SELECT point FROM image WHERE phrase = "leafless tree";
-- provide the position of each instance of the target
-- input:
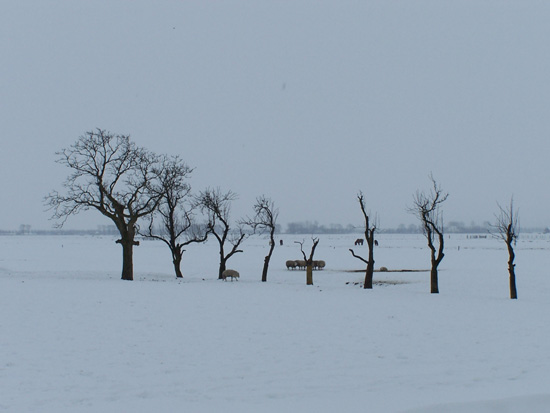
(370, 228)
(309, 261)
(264, 220)
(174, 222)
(216, 205)
(112, 175)
(426, 206)
(506, 228)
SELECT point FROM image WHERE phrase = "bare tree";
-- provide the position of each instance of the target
(112, 175)
(217, 206)
(176, 227)
(506, 228)
(264, 220)
(370, 228)
(427, 208)
(309, 261)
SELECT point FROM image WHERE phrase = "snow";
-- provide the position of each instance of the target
(76, 338)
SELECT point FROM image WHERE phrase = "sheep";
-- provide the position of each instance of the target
(359, 241)
(320, 264)
(291, 264)
(230, 274)
(301, 264)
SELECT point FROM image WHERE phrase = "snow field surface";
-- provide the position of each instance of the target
(74, 337)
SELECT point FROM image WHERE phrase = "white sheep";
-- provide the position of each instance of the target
(230, 274)
(291, 264)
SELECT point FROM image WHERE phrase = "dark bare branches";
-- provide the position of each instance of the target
(506, 226)
(265, 216)
(507, 229)
(427, 208)
(216, 205)
(112, 175)
(264, 220)
(358, 257)
(370, 228)
(309, 261)
(174, 220)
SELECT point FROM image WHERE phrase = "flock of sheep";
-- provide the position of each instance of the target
(290, 265)
(301, 265)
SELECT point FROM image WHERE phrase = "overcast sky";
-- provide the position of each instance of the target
(307, 102)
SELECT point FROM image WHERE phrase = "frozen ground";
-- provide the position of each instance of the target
(75, 338)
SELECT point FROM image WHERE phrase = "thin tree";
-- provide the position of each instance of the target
(370, 228)
(506, 228)
(426, 206)
(216, 205)
(113, 176)
(264, 220)
(309, 261)
(174, 222)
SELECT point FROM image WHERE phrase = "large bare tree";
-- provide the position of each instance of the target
(309, 261)
(427, 207)
(113, 176)
(370, 228)
(216, 205)
(264, 220)
(506, 228)
(174, 221)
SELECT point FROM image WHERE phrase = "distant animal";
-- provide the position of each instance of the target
(383, 269)
(291, 264)
(376, 243)
(359, 241)
(281, 242)
(301, 264)
(230, 274)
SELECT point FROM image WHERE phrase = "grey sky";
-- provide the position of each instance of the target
(304, 101)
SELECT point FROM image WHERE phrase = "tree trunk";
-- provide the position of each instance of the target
(177, 265)
(268, 257)
(264, 271)
(434, 287)
(222, 269)
(369, 275)
(309, 273)
(127, 260)
(513, 291)
(370, 265)
(511, 270)
(433, 280)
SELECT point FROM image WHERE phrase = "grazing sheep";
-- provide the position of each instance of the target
(301, 264)
(320, 264)
(359, 241)
(291, 264)
(383, 269)
(230, 274)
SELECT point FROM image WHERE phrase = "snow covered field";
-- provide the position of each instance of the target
(76, 338)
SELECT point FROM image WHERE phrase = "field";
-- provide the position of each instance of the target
(75, 338)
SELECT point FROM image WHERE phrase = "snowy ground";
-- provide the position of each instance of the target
(76, 338)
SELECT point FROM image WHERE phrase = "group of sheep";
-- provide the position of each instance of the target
(291, 264)
(301, 265)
